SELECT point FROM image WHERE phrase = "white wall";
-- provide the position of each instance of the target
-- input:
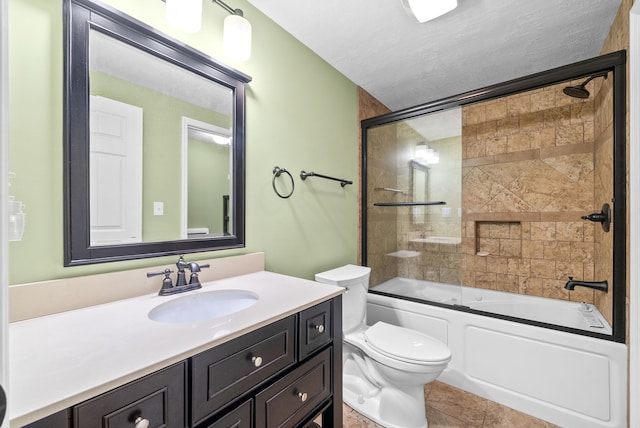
(4, 177)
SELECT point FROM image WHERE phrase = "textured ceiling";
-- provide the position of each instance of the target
(402, 63)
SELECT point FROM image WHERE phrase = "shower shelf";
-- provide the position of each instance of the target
(404, 254)
(408, 204)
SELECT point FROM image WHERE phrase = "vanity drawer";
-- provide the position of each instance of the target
(240, 417)
(226, 372)
(289, 401)
(159, 398)
(315, 328)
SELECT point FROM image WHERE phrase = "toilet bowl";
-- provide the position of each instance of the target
(385, 366)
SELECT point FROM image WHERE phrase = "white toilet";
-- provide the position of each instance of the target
(385, 366)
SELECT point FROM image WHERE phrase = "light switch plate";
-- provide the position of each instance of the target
(158, 208)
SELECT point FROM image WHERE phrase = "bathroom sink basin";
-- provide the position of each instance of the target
(203, 306)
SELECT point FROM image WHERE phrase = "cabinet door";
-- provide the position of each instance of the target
(158, 397)
(240, 417)
(293, 398)
(228, 371)
(315, 328)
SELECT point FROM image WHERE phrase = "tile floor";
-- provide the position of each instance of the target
(449, 407)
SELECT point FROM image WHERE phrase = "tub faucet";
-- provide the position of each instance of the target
(596, 285)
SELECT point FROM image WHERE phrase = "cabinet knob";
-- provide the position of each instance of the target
(141, 422)
(320, 328)
(303, 396)
(257, 361)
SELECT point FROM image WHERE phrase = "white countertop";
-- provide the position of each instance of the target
(60, 360)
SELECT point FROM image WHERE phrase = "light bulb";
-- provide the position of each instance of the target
(236, 39)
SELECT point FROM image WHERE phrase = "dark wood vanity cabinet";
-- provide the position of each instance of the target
(285, 374)
(287, 370)
(288, 401)
(224, 373)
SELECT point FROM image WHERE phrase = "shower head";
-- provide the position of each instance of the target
(580, 91)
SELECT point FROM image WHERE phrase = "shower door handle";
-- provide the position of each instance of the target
(603, 217)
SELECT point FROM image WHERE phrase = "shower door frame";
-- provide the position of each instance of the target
(614, 62)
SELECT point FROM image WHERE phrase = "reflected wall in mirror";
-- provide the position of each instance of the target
(154, 134)
(206, 180)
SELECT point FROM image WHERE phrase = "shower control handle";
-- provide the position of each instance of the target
(603, 217)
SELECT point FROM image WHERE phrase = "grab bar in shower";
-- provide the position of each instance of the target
(408, 204)
(304, 175)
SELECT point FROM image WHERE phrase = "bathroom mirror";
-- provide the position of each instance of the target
(154, 142)
(419, 185)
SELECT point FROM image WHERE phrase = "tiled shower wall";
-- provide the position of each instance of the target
(532, 166)
(383, 171)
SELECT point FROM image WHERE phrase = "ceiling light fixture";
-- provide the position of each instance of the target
(186, 15)
(426, 10)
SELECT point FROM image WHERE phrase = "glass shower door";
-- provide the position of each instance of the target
(414, 207)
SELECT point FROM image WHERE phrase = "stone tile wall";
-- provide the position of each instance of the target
(368, 107)
(529, 174)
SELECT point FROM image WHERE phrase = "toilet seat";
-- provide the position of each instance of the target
(406, 345)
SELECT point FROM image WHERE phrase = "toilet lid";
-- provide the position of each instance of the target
(406, 344)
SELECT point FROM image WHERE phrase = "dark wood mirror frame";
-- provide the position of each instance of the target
(80, 16)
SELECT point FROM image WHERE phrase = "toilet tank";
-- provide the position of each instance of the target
(354, 302)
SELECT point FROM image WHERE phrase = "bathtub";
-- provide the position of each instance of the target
(563, 313)
(568, 379)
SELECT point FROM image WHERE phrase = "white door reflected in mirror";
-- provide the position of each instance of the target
(115, 208)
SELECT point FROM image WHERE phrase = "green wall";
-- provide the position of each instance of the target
(301, 114)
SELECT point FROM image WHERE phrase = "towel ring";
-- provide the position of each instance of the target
(277, 171)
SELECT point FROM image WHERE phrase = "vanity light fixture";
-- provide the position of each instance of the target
(186, 15)
(236, 36)
(426, 10)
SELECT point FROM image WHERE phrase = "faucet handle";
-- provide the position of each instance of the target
(167, 285)
(165, 272)
(195, 267)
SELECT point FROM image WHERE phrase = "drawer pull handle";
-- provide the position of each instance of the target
(257, 361)
(141, 422)
(320, 328)
(303, 396)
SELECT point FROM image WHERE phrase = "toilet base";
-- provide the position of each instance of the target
(387, 406)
